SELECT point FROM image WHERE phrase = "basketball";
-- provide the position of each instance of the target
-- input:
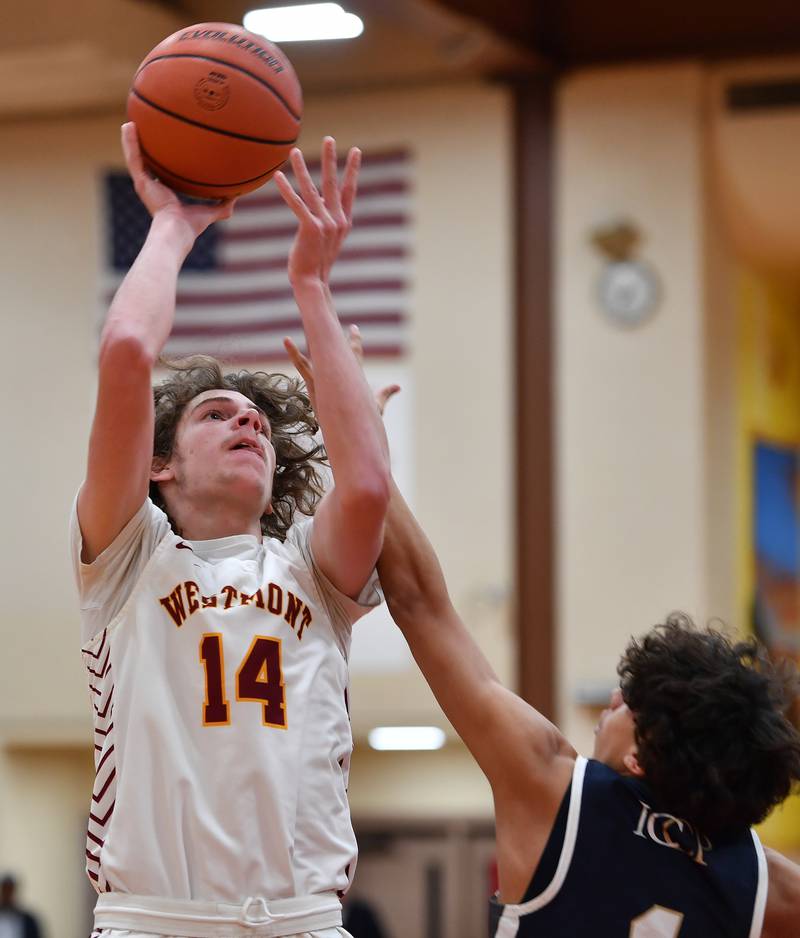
(217, 109)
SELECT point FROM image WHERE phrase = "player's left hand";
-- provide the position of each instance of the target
(325, 219)
(303, 364)
(159, 199)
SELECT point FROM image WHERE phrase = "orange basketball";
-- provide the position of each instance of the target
(217, 109)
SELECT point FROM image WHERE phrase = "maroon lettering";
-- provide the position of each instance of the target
(230, 594)
(306, 620)
(174, 605)
(192, 591)
(216, 711)
(274, 599)
(293, 607)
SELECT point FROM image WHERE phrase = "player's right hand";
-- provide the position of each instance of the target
(158, 198)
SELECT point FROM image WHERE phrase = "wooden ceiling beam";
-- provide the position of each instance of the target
(581, 32)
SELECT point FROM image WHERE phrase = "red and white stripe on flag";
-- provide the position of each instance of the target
(240, 307)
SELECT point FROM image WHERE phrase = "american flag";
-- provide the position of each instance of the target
(234, 300)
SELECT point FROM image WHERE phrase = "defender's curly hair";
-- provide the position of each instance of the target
(298, 485)
(711, 722)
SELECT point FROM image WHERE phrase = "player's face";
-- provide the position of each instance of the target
(615, 739)
(223, 449)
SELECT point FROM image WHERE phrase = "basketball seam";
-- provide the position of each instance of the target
(213, 130)
(210, 58)
(198, 182)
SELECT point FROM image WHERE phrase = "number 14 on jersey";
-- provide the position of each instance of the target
(259, 678)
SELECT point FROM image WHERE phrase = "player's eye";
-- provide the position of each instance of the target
(214, 414)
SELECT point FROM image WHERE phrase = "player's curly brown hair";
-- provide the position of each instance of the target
(712, 724)
(298, 485)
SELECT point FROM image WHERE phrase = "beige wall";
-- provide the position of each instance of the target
(43, 811)
(631, 515)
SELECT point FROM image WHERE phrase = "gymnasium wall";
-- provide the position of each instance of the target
(632, 513)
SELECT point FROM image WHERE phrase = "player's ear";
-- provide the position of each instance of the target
(632, 766)
(161, 470)
(269, 510)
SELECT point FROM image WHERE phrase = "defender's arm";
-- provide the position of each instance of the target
(516, 746)
(782, 916)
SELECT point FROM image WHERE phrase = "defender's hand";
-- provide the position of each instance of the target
(303, 364)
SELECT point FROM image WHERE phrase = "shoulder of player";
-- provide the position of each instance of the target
(538, 759)
(782, 914)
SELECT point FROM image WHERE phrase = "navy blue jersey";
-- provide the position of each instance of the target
(618, 866)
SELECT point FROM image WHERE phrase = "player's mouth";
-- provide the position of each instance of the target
(248, 446)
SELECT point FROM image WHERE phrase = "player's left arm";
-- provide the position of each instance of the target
(348, 525)
(782, 916)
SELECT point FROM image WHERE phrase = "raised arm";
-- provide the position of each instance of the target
(136, 328)
(348, 524)
(516, 747)
(782, 916)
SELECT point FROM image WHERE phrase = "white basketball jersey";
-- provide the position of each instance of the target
(218, 678)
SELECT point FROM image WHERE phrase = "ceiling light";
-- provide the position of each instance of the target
(406, 737)
(302, 23)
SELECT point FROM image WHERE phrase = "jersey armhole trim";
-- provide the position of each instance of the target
(760, 904)
(567, 848)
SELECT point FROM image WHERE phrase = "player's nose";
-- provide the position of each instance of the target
(250, 417)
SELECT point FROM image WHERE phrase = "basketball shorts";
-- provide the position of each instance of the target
(119, 915)
(337, 932)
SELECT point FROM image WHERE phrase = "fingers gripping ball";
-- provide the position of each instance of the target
(217, 109)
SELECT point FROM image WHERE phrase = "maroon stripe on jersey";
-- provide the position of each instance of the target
(100, 766)
(103, 667)
(102, 713)
(103, 691)
(102, 821)
(98, 798)
(99, 652)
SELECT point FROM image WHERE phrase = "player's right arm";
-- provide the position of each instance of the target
(782, 916)
(518, 749)
(136, 328)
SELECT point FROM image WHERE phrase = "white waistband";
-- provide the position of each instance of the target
(185, 918)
